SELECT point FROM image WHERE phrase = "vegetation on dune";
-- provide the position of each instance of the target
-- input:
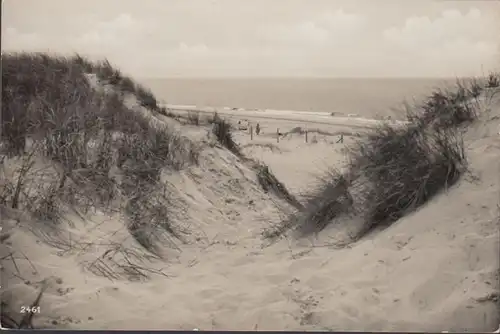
(493, 80)
(329, 199)
(446, 108)
(269, 182)
(72, 145)
(223, 132)
(99, 150)
(393, 171)
(108, 74)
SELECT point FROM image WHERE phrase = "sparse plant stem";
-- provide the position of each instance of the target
(25, 168)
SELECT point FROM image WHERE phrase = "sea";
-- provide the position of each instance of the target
(365, 97)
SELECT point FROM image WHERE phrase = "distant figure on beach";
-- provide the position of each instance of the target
(257, 129)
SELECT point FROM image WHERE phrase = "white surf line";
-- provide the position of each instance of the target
(302, 116)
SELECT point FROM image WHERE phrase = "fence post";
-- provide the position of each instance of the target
(277, 135)
(251, 132)
(306, 136)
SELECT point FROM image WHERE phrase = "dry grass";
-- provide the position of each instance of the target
(269, 182)
(110, 75)
(329, 199)
(98, 148)
(223, 132)
(393, 171)
(404, 169)
(448, 108)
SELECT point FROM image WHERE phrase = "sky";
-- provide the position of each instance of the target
(264, 38)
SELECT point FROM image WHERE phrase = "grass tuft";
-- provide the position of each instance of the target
(392, 171)
(446, 108)
(270, 183)
(223, 132)
(146, 98)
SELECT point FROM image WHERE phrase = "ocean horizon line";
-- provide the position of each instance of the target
(299, 78)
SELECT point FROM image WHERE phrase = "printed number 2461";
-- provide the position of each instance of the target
(27, 309)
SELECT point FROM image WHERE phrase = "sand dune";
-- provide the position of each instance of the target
(434, 270)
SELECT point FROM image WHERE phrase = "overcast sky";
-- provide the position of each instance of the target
(219, 38)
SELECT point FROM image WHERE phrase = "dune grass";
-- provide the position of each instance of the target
(110, 75)
(270, 183)
(90, 138)
(448, 108)
(393, 171)
(223, 132)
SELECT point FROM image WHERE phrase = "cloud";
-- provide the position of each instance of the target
(339, 21)
(423, 32)
(453, 42)
(121, 30)
(303, 33)
(324, 29)
(238, 38)
(195, 50)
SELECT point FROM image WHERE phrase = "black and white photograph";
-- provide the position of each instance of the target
(250, 165)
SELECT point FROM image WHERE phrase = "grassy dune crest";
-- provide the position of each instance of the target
(99, 151)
